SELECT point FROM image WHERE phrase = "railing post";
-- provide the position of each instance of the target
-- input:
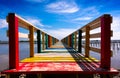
(87, 41)
(46, 41)
(69, 41)
(66, 40)
(13, 41)
(79, 41)
(106, 21)
(39, 41)
(72, 40)
(53, 41)
(49, 41)
(75, 40)
(31, 37)
(43, 40)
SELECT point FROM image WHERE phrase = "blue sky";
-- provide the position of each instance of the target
(60, 17)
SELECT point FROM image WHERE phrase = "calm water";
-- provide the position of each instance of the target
(24, 52)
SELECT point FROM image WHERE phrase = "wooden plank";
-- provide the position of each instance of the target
(87, 41)
(25, 24)
(91, 23)
(13, 42)
(83, 37)
(95, 49)
(96, 35)
(68, 40)
(75, 40)
(94, 26)
(49, 41)
(83, 29)
(43, 40)
(31, 38)
(46, 41)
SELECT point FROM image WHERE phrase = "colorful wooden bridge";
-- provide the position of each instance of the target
(60, 56)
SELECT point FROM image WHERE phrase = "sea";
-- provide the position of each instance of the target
(24, 52)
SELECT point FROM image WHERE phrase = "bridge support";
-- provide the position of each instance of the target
(106, 21)
(46, 41)
(31, 37)
(39, 41)
(87, 41)
(13, 41)
(43, 40)
(79, 41)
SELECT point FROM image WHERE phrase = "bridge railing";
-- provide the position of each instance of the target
(43, 39)
(76, 39)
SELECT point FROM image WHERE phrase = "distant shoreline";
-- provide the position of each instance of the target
(6, 42)
(92, 41)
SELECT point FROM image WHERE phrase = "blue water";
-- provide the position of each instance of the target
(24, 52)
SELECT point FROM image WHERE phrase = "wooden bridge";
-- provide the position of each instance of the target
(63, 57)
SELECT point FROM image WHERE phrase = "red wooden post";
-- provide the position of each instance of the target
(13, 41)
(106, 21)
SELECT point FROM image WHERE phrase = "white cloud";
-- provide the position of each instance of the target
(115, 27)
(38, 1)
(60, 33)
(35, 22)
(3, 23)
(90, 11)
(62, 7)
(82, 18)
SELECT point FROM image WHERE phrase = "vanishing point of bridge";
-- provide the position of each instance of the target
(58, 58)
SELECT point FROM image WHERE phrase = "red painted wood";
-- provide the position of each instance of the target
(105, 41)
(13, 41)
(62, 68)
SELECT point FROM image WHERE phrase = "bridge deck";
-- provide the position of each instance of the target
(60, 59)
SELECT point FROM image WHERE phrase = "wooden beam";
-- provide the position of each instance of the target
(94, 26)
(25, 24)
(79, 41)
(38, 41)
(87, 41)
(31, 37)
(13, 41)
(95, 49)
(75, 40)
(46, 41)
(43, 40)
(95, 35)
(106, 21)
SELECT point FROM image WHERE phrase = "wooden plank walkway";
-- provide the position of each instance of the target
(60, 58)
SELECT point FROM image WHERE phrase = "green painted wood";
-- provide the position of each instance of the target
(38, 41)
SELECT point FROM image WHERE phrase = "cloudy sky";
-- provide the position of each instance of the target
(60, 17)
